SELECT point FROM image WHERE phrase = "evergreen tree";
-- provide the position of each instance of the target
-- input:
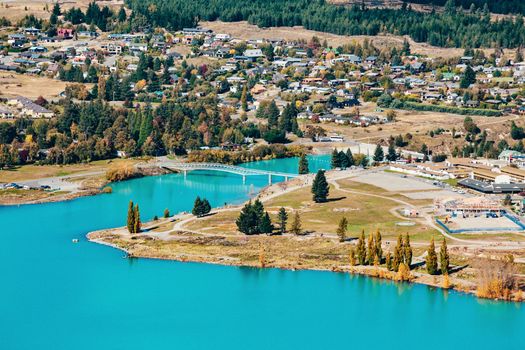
(273, 115)
(248, 221)
(391, 155)
(201, 207)
(131, 218)
(206, 207)
(379, 154)
(361, 249)
(468, 78)
(342, 228)
(283, 218)
(444, 258)
(406, 48)
(335, 161)
(303, 165)
(252, 219)
(431, 259)
(166, 213)
(296, 226)
(320, 188)
(146, 127)
(56, 9)
(343, 160)
(265, 225)
(349, 158)
(122, 15)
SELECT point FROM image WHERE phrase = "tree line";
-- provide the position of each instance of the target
(450, 28)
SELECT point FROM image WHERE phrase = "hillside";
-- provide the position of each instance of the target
(494, 6)
(450, 28)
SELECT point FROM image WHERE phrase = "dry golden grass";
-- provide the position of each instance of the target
(17, 9)
(246, 31)
(13, 84)
(121, 171)
(363, 213)
(31, 172)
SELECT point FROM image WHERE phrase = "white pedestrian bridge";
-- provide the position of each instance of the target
(244, 172)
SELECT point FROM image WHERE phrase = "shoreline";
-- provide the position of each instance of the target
(380, 273)
(287, 252)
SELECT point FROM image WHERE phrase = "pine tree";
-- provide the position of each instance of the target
(406, 48)
(56, 9)
(342, 228)
(468, 78)
(283, 218)
(265, 225)
(320, 188)
(273, 115)
(335, 161)
(350, 158)
(407, 251)
(206, 207)
(137, 225)
(391, 155)
(303, 165)
(166, 213)
(444, 258)
(197, 207)
(343, 161)
(248, 220)
(131, 218)
(361, 249)
(379, 155)
(296, 227)
(431, 259)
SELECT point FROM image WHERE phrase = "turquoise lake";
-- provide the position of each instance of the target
(58, 295)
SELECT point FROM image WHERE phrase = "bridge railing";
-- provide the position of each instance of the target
(223, 167)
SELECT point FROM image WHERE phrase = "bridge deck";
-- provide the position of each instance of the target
(222, 167)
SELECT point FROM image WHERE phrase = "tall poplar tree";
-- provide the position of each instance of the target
(283, 218)
(361, 249)
(131, 218)
(407, 251)
(444, 258)
(296, 226)
(342, 228)
(138, 224)
(398, 254)
(431, 259)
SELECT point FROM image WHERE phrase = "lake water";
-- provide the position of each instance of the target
(58, 295)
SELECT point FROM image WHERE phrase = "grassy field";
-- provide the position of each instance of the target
(17, 9)
(13, 84)
(363, 213)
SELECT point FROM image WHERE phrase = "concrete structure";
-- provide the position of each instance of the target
(185, 167)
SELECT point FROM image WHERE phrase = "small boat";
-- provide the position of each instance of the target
(74, 240)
